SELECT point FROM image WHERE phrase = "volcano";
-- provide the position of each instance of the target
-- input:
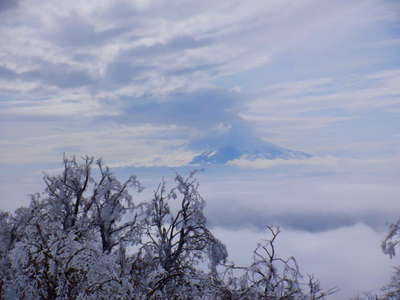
(266, 150)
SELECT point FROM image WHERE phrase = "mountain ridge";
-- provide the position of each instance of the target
(225, 154)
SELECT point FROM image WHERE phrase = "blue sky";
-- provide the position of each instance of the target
(149, 84)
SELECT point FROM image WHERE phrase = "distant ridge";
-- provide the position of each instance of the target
(266, 150)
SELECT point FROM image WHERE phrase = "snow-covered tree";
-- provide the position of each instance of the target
(81, 201)
(85, 237)
(389, 244)
(61, 247)
(392, 239)
(270, 276)
(178, 239)
(391, 291)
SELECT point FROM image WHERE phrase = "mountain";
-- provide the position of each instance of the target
(265, 150)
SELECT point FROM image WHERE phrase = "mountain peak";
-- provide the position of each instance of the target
(225, 154)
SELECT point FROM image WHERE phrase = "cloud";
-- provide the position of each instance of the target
(349, 94)
(7, 5)
(129, 145)
(210, 115)
(330, 162)
(312, 195)
(335, 257)
(186, 108)
(344, 106)
(75, 30)
(140, 62)
(6, 73)
(184, 43)
(101, 47)
(61, 76)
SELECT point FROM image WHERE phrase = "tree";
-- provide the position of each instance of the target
(389, 244)
(392, 290)
(179, 240)
(270, 276)
(85, 237)
(61, 247)
(81, 202)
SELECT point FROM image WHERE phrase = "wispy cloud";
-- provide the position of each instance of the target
(128, 144)
(135, 62)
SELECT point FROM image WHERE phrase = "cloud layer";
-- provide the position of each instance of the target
(200, 67)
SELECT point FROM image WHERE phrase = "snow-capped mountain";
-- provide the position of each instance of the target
(225, 154)
(238, 142)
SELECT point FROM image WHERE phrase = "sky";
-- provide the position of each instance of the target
(148, 84)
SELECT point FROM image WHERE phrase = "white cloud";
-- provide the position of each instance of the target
(336, 257)
(334, 163)
(120, 144)
(235, 36)
(298, 114)
(68, 60)
(312, 194)
(352, 95)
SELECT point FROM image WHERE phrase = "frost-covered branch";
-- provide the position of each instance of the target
(85, 237)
